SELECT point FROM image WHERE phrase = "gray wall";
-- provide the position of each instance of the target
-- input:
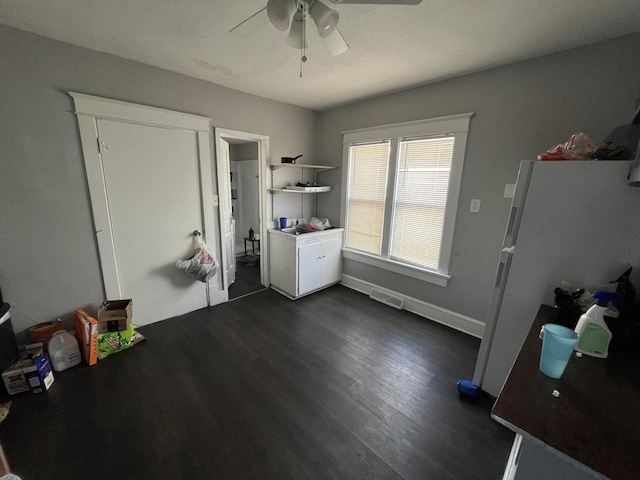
(520, 110)
(247, 151)
(48, 257)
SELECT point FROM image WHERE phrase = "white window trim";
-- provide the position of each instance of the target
(456, 124)
(397, 267)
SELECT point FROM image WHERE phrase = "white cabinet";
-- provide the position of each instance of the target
(301, 264)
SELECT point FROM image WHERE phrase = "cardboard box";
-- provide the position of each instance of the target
(115, 315)
(13, 376)
(44, 331)
(39, 376)
(30, 371)
(87, 336)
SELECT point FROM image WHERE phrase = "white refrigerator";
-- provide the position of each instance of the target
(577, 221)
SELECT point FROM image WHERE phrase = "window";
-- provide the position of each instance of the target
(402, 185)
(368, 168)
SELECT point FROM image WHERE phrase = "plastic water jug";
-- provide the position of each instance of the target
(63, 351)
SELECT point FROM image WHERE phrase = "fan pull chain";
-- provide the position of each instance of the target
(303, 47)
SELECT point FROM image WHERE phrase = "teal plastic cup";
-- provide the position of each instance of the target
(558, 343)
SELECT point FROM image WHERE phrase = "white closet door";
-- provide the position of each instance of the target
(152, 180)
(226, 216)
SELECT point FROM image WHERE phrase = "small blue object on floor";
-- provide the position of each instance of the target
(468, 388)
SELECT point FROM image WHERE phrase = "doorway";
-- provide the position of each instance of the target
(242, 160)
(245, 210)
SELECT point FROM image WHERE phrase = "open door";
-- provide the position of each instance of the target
(227, 233)
(226, 214)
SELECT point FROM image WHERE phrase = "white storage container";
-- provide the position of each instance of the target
(63, 351)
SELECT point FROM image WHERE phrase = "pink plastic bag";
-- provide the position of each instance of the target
(202, 266)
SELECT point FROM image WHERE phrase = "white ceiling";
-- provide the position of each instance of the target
(392, 47)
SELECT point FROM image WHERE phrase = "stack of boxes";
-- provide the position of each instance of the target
(29, 370)
(115, 330)
(115, 315)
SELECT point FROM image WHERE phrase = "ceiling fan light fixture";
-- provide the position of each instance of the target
(325, 18)
(280, 13)
(295, 38)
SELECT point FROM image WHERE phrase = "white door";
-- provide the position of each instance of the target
(226, 215)
(152, 181)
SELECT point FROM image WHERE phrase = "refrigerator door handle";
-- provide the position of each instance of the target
(512, 221)
(506, 254)
(499, 275)
(517, 204)
(503, 265)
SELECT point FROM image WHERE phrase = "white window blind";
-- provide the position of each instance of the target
(368, 167)
(422, 182)
(402, 189)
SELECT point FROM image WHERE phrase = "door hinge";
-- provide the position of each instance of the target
(103, 146)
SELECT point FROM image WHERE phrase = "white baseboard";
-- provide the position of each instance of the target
(459, 322)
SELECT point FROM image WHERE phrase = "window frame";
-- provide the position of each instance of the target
(456, 125)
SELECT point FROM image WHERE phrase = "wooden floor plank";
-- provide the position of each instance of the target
(333, 385)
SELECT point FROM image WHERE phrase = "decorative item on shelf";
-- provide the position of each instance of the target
(251, 234)
(289, 159)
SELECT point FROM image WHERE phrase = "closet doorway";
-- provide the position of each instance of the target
(241, 161)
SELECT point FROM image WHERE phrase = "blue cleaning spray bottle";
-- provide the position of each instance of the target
(594, 333)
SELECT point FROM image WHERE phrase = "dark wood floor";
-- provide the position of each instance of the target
(333, 385)
(247, 280)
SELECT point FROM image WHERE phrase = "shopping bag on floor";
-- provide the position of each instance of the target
(202, 266)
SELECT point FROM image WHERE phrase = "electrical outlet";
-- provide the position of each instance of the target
(509, 190)
(475, 205)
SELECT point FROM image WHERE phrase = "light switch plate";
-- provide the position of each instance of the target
(509, 190)
(475, 205)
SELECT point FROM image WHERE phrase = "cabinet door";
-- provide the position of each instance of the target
(310, 267)
(332, 260)
(282, 261)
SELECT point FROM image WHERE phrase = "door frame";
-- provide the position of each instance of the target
(265, 208)
(89, 109)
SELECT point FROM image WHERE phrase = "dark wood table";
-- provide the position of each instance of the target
(253, 244)
(596, 419)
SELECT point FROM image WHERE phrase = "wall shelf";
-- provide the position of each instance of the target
(318, 168)
(283, 174)
(295, 191)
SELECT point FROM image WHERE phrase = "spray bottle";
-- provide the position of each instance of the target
(594, 333)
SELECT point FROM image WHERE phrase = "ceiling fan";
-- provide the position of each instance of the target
(293, 15)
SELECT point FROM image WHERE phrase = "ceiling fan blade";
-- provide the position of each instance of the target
(252, 24)
(379, 2)
(335, 43)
